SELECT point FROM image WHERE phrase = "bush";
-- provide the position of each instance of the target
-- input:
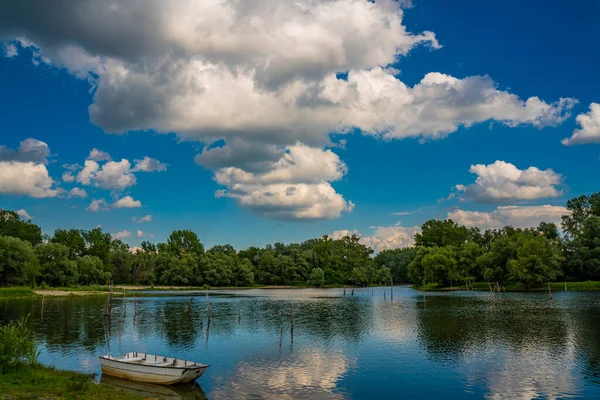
(17, 345)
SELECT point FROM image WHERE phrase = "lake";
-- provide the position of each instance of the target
(467, 345)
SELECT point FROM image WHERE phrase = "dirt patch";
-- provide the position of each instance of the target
(60, 293)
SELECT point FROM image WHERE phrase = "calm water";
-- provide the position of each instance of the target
(458, 345)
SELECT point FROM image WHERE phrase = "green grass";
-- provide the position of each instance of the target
(41, 382)
(16, 292)
(515, 287)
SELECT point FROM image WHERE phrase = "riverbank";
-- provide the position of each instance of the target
(42, 382)
(131, 290)
(514, 287)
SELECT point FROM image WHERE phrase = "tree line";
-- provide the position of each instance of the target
(90, 257)
(445, 253)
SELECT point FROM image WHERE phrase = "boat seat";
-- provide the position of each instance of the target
(134, 359)
(164, 364)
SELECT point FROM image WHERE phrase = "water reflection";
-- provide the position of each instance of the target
(175, 392)
(312, 374)
(467, 345)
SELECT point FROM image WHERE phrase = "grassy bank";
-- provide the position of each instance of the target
(41, 382)
(16, 292)
(514, 287)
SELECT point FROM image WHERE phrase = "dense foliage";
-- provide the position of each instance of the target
(445, 253)
(17, 345)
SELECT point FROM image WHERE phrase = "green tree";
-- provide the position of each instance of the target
(580, 208)
(73, 239)
(142, 267)
(442, 233)
(11, 224)
(583, 251)
(90, 271)
(317, 277)
(397, 260)
(184, 242)
(242, 272)
(538, 260)
(440, 266)
(18, 264)
(55, 266)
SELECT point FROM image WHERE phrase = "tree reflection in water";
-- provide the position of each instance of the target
(514, 346)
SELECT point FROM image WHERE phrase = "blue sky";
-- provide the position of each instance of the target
(378, 167)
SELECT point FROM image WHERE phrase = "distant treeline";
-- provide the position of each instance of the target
(445, 253)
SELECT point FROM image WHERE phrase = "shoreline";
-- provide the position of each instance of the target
(143, 291)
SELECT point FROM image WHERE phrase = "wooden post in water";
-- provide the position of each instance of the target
(107, 304)
(239, 313)
(392, 290)
(549, 291)
(565, 286)
(43, 298)
(344, 290)
(352, 290)
(292, 317)
(124, 304)
(207, 307)
(384, 291)
(189, 307)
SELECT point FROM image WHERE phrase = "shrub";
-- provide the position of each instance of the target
(17, 345)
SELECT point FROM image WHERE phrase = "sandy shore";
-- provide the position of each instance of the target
(59, 293)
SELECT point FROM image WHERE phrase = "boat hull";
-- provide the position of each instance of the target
(150, 374)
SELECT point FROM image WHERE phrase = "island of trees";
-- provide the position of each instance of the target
(444, 253)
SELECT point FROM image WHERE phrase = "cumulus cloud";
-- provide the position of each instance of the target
(30, 150)
(127, 202)
(146, 218)
(98, 205)
(502, 181)
(516, 216)
(27, 179)
(589, 127)
(384, 237)
(121, 235)
(78, 192)
(24, 214)
(99, 155)
(222, 73)
(10, 50)
(294, 187)
(115, 175)
(68, 177)
(148, 164)
(88, 172)
(111, 175)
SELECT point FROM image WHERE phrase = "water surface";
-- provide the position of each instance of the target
(468, 345)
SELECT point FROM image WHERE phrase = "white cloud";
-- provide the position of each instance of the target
(260, 75)
(99, 155)
(24, 214)
(149, 165)
(10, 50)
(115, 175)
(68, 177)
(88, 172)
(294, 187)
(589, 131)
(139, 234)
(77, 192)
(516, 216)
(384, 237)
(26, 178)
(127, 202)
(147, 218)
(98, 205)
(30, 150)
(121, 235)
(502, 181)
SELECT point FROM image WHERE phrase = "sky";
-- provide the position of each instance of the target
(277, 121)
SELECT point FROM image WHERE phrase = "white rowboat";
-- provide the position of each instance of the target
(150, 368)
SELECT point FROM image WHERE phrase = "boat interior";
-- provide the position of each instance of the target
(155, 361)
